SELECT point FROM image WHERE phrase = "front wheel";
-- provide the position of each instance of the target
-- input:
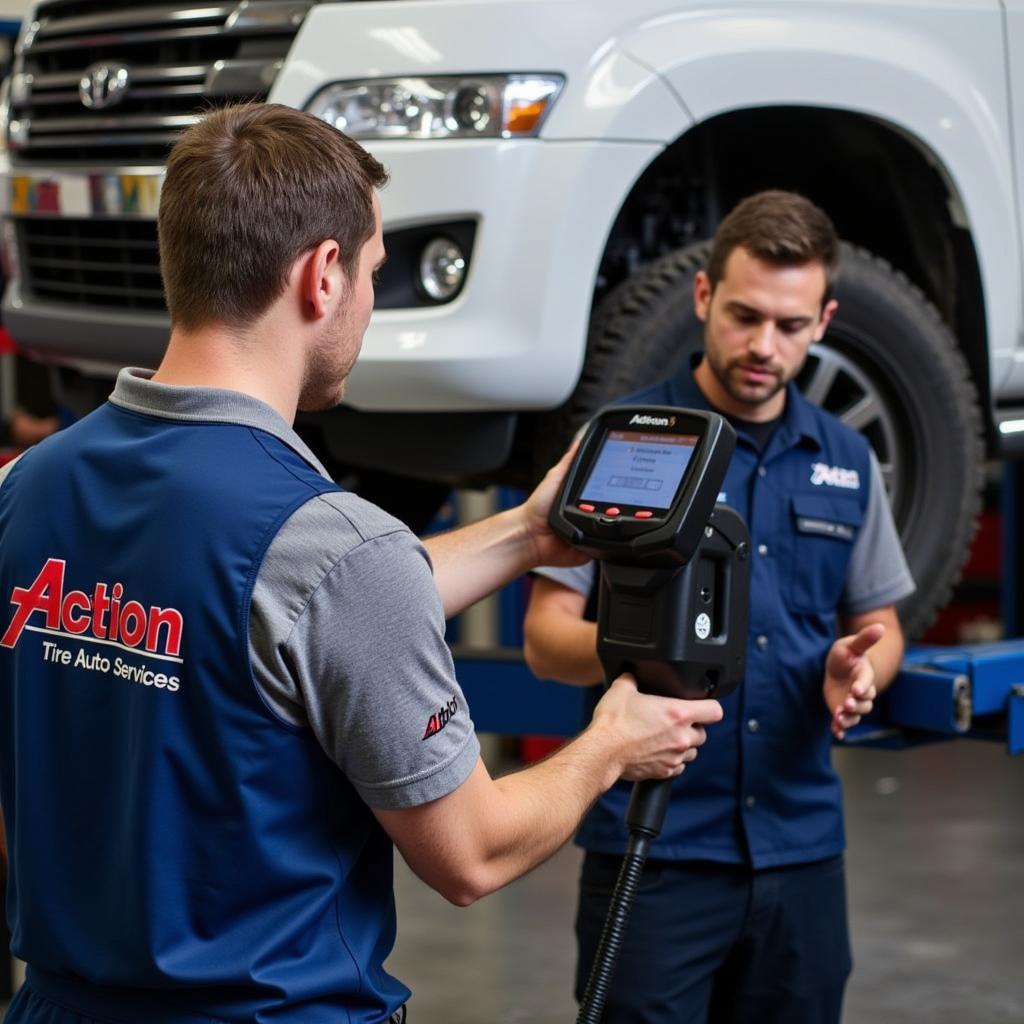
(888, 366)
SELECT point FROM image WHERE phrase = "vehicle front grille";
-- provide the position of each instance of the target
(115, 81)
(91, 262)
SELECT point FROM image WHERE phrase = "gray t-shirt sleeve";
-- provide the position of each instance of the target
(347, 637)
(877, 574)
(576, 577)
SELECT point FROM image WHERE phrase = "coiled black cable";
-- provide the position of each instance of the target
(644, 816)
(592, 1005)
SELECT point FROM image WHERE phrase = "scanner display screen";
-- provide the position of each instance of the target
(639, 469)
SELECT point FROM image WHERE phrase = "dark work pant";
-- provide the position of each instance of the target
(714, 944)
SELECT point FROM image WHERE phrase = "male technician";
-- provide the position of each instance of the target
(224, 688)
(742, 913)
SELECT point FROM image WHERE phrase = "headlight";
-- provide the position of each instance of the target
(481, 106)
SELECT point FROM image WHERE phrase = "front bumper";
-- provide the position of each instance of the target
(515, 336)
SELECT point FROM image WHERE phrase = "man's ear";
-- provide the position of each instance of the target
(702, 295)
(827, 313)
(321, 279)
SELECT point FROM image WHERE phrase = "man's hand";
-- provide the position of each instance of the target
(550, 550)
(849, 688)
(473, 561)
(658, 735)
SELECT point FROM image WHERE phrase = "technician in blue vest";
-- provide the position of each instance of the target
(224, 687)
(742, 914)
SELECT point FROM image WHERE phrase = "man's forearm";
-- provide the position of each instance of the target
(540, 807)
(475, 560)
(563, 648)
(505, 826)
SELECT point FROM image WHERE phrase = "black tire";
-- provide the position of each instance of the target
(888, 366)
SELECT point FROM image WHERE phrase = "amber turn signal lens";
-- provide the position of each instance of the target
(522, 118)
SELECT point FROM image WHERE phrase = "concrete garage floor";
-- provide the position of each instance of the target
(936, 880)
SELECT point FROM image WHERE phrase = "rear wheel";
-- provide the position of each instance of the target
(888, 366)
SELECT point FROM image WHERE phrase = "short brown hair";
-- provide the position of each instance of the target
(248, 190)
(781, 228)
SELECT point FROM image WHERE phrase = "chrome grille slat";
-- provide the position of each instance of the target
(242, 77)
(139, 74)
(164, 91)
(108, 142)
(154, 92)
(112, 40)
(113, 124)
(268, 15)
(130, 18)
(49, 98)
(29, 83)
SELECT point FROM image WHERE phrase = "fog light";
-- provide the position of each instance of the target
(442, 269)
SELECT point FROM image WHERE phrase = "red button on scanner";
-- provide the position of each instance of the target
(643, 514)
(585, 508)
(612, 511)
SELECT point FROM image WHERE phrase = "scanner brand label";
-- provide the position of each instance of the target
(643, 420)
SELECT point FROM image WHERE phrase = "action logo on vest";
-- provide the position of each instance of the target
(102, 618)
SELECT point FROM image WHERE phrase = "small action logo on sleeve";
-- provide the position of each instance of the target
(441, 718)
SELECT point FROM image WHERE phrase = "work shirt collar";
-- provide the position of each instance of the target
(799, 424)
(136, 392)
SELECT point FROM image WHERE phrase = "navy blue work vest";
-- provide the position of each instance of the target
(177, 852)
(762, 791)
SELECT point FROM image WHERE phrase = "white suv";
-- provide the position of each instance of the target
(555, 168)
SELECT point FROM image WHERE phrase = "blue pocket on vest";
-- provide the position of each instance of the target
(824, 528)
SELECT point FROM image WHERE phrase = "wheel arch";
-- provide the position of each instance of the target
(884, 188)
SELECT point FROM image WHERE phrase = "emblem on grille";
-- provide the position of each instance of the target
(103, 85)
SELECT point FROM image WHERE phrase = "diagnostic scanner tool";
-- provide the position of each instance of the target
(643, 484)
(640, 497)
